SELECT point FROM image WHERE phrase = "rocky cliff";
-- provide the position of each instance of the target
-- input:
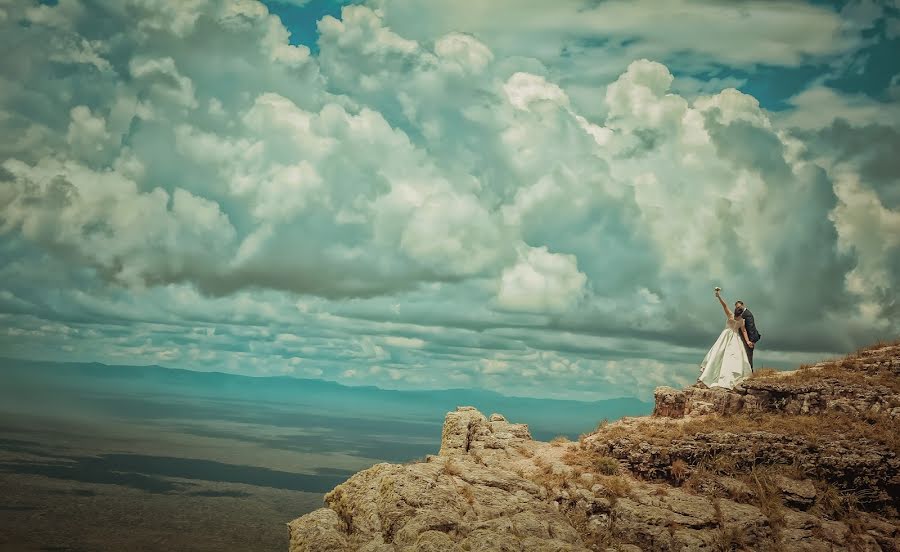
(803, 460)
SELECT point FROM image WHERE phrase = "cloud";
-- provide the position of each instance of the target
(541, 281)
(781, 34)
(588, 44)
(297, 3)
(819, 106)
(430, 201)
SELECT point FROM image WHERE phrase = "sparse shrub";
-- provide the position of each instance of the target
(549, 480)
(844, 506)
(559, 440)
(729, 538)
(768, 496)
(595, 538)
(679, 470)
(615, 486)
(829, 502)
(606, 465)
(725, 464)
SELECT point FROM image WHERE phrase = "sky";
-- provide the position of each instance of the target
(530, 197)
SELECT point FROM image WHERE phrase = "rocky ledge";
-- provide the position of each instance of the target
(806, 460)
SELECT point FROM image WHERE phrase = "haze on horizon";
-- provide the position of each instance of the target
(521, 197)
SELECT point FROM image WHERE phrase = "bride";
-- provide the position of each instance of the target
(726, 364)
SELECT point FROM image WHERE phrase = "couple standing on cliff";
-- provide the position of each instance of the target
(730, 359)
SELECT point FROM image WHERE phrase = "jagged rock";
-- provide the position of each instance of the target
(726, 487)
(796, 493)
(320, 531)
(449, 502)
(670, 402)
(492, 488)
(853, 463)
(466, 430)
(461, 428)
(786, 395)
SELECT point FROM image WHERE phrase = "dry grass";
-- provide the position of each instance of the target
(728, 539)
(451, 468)
(549, 480)
(820, 428)
(768, 496)
(616, 486)
(830, 502)
(559, 440)
(878, 345)
(679, 470)
(524, 451)
(763, 373)
(591, 461)
(468, 494)
(606, 465)
(601, 538)
(698, 477)
(847, 371)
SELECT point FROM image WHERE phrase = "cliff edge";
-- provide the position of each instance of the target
(802, 460)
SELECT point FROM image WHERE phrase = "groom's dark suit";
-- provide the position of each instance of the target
(752, 334)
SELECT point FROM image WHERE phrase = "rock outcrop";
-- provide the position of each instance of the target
(860, 385)
(788, 461)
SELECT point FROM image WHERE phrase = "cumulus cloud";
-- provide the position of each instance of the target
(428, 207)
(541, 281)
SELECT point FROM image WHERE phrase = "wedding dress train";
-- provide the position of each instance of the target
(726, 364)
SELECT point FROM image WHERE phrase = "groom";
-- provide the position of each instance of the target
(750, 325)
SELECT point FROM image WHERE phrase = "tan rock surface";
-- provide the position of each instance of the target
(654, 483)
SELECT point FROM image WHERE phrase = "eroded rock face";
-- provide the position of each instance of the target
(492, 488)
(468, 497)
(851, 463)
(467, 430)
(783, 394)
(524, 496)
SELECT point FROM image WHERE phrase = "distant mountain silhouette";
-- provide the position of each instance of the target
(546, 417)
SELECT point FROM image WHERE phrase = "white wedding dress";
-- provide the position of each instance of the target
(726, 364)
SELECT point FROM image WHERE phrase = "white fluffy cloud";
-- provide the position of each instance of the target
(425, 195)
(541, 281)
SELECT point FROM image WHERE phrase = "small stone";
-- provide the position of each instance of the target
(797, 493)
